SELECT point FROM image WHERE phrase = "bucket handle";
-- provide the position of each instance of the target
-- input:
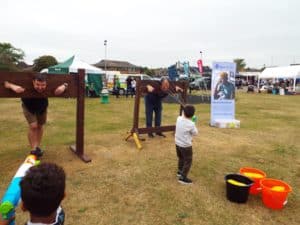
(284, 203)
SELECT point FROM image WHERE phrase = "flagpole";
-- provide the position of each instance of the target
(202, 62)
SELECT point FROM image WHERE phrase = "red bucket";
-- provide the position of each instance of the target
(274, 193)
(256, 175)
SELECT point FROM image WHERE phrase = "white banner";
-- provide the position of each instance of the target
(222, 92)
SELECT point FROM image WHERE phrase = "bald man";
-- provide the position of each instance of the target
(224, 89)
(153, 103)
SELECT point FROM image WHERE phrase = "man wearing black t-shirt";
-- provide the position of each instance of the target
(35, 109)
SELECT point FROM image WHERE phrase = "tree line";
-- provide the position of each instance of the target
(12, 59)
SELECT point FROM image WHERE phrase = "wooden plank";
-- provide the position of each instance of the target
(147, 130)
(136, 105)
(156, 85)
(25, 80)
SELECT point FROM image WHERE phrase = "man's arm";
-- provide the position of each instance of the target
(15, 88)
(217, 87)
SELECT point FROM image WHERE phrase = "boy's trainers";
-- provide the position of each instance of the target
(184, 180)
(37, 152)
(178, 174)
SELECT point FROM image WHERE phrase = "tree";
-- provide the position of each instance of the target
(240, 64)
(148, 71)
(10, 56)
(43, 62)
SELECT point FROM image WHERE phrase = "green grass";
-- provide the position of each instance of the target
(125, 186)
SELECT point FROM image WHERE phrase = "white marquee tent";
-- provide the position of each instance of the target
(284, 72)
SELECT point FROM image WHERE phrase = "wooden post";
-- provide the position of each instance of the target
(137, 105)
(79, 149)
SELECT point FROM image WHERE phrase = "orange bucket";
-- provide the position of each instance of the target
(256, 175)
(274, 193)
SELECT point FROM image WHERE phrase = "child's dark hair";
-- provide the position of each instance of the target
(40, 77)
(43, 189)
(189, 111)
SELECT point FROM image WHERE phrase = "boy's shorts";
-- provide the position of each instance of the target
(32, 118)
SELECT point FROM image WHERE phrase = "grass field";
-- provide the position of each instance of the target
(125, 186)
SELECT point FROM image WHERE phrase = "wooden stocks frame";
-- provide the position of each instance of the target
(76, 89)
(141, 90)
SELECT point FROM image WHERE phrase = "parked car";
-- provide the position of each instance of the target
(266, 88)
(201, 83)
(297, 89)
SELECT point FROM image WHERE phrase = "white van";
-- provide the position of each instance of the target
(122, 77)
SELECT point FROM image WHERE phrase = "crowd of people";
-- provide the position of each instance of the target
(130, 86)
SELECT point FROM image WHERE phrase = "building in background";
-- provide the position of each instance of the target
(121, 66)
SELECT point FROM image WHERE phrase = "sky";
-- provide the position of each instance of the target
(155, 33)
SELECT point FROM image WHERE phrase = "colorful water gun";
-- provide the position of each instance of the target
(12, 195)
(194, 119)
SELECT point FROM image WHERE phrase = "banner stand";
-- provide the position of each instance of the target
(223, 95)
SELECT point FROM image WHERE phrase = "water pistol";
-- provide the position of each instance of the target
(12, 195)
(194, 119)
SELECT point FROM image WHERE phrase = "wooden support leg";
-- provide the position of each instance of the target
(129, 135)
(137, 141)
(82, 156)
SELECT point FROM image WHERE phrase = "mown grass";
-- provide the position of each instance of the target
(125, 186)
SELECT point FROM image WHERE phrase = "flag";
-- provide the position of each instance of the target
(200, 66)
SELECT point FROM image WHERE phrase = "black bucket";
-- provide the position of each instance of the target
(236, 193)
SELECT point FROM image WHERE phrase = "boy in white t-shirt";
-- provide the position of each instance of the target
(185, 130)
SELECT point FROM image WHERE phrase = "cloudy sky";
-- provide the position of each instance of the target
(155, 33)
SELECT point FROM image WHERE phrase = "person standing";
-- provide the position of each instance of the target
(185, 130)
(133, 86)
(128, 86)
(35, 109)
(153, 103)
(117, 86)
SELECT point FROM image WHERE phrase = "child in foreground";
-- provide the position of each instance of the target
(42, 190)
(185, 130)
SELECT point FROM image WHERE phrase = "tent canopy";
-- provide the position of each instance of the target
(281, 72)
(71, 65)
(249, 74)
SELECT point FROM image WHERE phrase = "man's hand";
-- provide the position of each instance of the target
(177, 88)
(150, 88)
(60, 89)
(16, 88)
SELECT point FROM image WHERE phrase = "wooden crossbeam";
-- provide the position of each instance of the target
(25, 80)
